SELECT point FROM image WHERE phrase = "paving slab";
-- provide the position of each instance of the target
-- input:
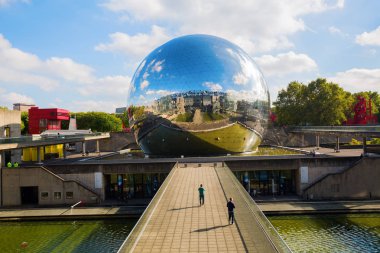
(176, 222)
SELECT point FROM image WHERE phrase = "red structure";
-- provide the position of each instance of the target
(363, 114)
(273, 117)
(46, 119)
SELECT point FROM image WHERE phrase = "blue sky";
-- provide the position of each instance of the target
(81, 55)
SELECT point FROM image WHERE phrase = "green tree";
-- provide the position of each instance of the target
(138, 112)
(124, 118)
(98, 121)
(290, 105)
(318, 103)
(24, 122)
(326, 103)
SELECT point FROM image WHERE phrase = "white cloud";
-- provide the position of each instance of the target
(286, 63)
(256, 25)
(71, 78)
(22, 68)
(95, 105)
(247, 95)
(136, 46)
(9, 98)
(369, 38)
(67, 69)
(213, 86)
(337, 31)
(159, 92)
(111, 86)
(144, 84)
(158, 66)
(357, 79)
(8, 2)
(249, 71)
(16, 77)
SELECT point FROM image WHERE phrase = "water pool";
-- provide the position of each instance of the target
(330, 233)
(64, 236)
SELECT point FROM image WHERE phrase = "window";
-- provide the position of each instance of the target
(57, 195)
(69, 195)
(44, 195)
(7, 132)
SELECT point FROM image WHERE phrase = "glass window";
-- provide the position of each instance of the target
(57, 195)
(44, 195)
(69, 195)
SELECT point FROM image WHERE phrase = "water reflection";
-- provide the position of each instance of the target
(196, 84)
(64, 236)
(330, 233)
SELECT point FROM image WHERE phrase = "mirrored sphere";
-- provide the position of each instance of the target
(198, 95)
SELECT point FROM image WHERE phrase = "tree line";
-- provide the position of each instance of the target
(319, 103)
(96, 121)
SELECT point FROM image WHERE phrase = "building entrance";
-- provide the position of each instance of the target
(268, 182)
(29, 195)
(128, 186)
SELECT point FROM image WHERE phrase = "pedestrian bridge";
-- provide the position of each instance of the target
(174, 221)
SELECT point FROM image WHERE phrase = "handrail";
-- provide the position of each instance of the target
(79, 202)
(354, 164)
(275, 240)
(373, 130)
(41, 138)
(70, 180)
(131, 241)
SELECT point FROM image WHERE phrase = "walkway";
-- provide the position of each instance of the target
(174, 221)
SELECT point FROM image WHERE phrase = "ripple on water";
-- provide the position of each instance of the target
(330, 233)
(64, 236)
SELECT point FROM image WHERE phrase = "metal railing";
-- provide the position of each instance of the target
(251, 218)
(375, 129)
(42, 138)
(134, 236)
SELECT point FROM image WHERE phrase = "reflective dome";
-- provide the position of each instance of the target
(196, 84)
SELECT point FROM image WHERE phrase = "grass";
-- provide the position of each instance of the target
(185, 117)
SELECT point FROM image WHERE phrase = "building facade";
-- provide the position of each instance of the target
(10, 126)
(22, 107)
(46, 119)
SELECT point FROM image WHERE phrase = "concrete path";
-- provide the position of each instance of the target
(175, 221)
(68, 213)
(180, 224)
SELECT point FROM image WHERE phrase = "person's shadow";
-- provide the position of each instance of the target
(208, 229)
(181, 208)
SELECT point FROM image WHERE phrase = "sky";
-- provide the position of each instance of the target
(81, 55)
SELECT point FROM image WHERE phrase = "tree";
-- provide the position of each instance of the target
(369, 95)
(138, 112)
(318, 103)
(24, 122)
(98, 121)
(290, 104)
(326, 103)
(124, 118)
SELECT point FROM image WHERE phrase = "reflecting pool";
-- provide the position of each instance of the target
(330, 233)
(64, 236)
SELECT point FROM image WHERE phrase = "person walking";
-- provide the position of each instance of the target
(231, 207)
(201, 191)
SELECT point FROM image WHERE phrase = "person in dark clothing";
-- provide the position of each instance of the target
(201, 191)
(231, 207)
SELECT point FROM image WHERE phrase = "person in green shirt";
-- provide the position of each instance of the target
(201, 191)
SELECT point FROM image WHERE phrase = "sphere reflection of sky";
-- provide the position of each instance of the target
(198, 62)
